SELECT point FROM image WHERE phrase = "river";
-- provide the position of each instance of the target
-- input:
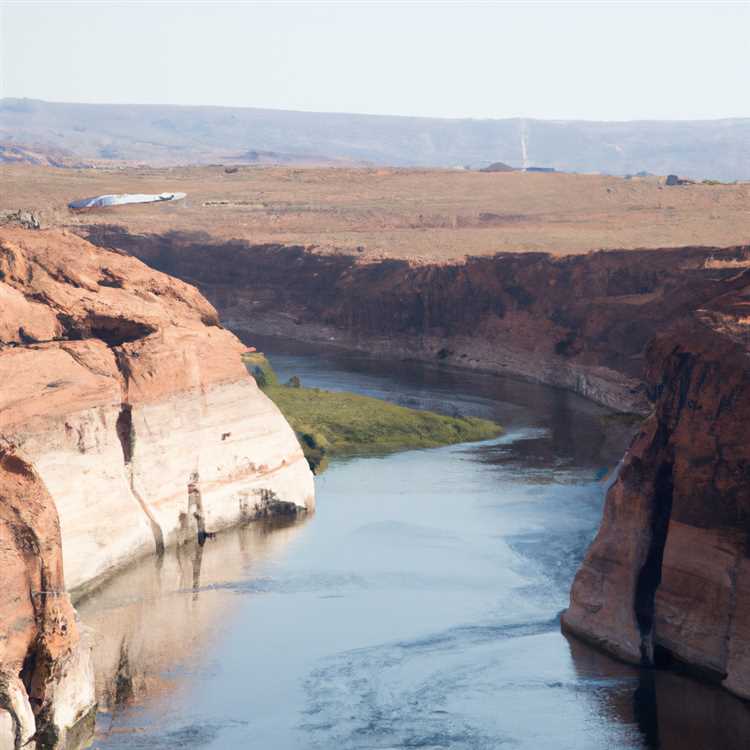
(417, 608)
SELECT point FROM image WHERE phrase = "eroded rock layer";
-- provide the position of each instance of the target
(668, 575)
(581, 322)
(127, 423)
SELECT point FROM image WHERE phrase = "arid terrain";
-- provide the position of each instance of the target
(426, 216)
(500, 272)
(630, 292)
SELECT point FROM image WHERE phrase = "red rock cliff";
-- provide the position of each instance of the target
(581, 322)
(127, 422)
(668, 575)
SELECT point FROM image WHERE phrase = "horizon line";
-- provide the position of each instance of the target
(462, 118)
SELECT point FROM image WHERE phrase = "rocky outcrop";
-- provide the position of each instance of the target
(667, 578)
(497, 166)
(21, 217)
(46, 685)
(580, 322)
(127, 423)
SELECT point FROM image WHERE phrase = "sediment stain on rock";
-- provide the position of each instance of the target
(119, 386)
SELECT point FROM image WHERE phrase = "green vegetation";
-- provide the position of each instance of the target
(338, 424)
(260, 368)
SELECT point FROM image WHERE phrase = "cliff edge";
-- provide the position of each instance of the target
(127, 423)
(579, 322)
(667, 579)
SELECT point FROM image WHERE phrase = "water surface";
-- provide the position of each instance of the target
(418, 608)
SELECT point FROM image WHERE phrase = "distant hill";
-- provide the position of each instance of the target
(718, 149)
(15, 153)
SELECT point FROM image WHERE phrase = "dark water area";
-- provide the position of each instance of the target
(417, 608)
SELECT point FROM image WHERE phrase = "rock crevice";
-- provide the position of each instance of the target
(650, 573)
(126, 435)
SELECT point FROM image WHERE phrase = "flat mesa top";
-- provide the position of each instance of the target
(414, 214)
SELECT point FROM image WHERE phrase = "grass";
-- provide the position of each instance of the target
(331, 423)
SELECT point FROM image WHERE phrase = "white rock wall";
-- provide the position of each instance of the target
(229, 439)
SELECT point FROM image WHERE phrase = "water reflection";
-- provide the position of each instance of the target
(646, 710)
(670, 711)
(153, 624)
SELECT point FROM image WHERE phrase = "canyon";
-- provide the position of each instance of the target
(374, 376)
(580, 322)
(128, 423)
(661, 333)
(125, 393)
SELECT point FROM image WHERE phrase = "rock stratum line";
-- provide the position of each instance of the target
(123, 404)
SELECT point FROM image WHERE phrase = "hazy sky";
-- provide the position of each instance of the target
(603, 60)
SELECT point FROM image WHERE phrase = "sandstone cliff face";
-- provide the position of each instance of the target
(668, 575)
(127, 423)
(46, 680)
(580, 322)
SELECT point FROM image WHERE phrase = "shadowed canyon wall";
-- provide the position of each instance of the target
(667, 578)
(580, 322)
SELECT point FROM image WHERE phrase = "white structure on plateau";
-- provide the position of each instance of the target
(102, 201)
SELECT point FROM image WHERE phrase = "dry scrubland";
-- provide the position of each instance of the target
(423, 215)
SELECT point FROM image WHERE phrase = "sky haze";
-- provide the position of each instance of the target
(603, 61)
